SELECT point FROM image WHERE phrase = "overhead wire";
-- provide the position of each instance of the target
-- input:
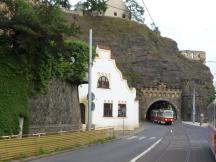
(145, 6)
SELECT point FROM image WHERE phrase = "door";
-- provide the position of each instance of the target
(82, 113)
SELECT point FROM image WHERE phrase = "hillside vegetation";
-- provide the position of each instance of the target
(13, 96)
(139, 50)
(34, 52)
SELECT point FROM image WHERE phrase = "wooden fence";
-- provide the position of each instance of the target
(17, 148)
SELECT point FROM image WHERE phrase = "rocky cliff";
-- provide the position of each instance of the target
(145, 58)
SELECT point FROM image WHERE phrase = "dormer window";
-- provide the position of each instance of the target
(103, 82)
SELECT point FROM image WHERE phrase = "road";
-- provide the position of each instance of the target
(176, 143)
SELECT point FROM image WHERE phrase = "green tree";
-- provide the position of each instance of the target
(98, 6)
(34, 34)
(212, 97)
(136, 11)
(62, 3)
(33, 51)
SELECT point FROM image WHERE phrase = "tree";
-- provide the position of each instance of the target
(136, 11)
(99, 6)
(33, 51)
(35, 34)
(62, 3)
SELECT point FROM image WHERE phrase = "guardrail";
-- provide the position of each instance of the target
(17, 148)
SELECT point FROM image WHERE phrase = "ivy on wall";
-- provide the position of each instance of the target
(13, 97)
(16, 85)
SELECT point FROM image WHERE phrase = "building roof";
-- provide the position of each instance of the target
(104, 47)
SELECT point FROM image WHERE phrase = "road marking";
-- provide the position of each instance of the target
(131, 137)
(152, 138)
(146, 151)
(141, 138)
(171, 131)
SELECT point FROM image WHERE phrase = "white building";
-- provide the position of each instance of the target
(113, 97)
(194, 55)
(117, 8)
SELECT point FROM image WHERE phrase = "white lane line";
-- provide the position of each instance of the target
(146, 151)
(141, 138)
(152, 138)
(131, 137)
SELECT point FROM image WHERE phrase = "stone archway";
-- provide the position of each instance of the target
(160, 93)
(161, 104)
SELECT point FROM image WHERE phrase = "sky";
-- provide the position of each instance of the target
(191, 23)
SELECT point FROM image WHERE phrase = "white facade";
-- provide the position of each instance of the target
(118, 94)
(194, 55)
(117, 8)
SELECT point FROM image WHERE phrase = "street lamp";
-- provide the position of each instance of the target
(90, 81)
(214, 102)
(194, 106)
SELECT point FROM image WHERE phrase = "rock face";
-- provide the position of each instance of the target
(145, 58)
(57, 110)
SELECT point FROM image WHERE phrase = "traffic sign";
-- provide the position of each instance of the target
(92, 95)
(92, 106)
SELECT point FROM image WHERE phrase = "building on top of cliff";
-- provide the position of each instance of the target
(194, 55)
(115, 102)
(115, 8)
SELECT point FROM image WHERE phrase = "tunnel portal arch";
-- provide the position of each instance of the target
(160, 94)
(161, 104)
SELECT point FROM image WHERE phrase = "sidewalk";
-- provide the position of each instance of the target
(195, 123)
(122, 134)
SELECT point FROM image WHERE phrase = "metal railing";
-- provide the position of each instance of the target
(17, 148)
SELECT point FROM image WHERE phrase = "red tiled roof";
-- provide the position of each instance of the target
(104, 47)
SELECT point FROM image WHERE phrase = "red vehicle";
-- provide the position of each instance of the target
(162, 116)
(212, 126)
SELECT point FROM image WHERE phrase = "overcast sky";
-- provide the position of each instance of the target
(191, 23)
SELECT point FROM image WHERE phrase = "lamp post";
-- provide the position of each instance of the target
(214, 102)
(194, 106)
(90, 81)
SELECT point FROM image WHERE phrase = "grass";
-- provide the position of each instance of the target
(43, 152)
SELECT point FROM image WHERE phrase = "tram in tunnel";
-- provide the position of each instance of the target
(161, 112)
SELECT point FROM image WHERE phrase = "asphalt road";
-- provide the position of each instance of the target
(176, 143)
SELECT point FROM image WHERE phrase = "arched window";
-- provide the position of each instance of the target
(103, 82)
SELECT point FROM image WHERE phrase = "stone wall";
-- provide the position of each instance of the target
(57, 110)
(159, 93)
(194, 55)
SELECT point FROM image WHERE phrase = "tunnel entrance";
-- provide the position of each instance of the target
(161, 105)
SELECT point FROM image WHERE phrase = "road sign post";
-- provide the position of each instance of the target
(123, 116)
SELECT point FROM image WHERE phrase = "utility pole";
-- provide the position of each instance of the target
(90, 81)
(194, 106)
(214, 102)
